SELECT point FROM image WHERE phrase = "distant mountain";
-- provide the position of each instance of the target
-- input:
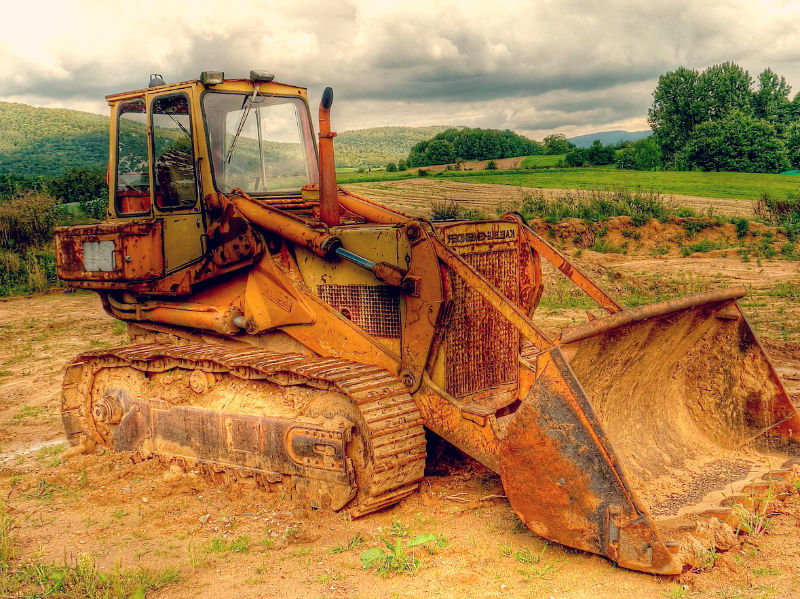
(608, 138)
(48, 141)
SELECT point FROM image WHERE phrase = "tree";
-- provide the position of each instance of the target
(575, 157)
(391, 167)
(771, 100)
(737, 142)
(793, 144)
(80, 185)
(440, 151)
(641, 155)
(556, 143)
(597, 154)
(674, 113)
(723, 88)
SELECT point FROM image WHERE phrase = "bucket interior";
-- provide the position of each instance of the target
(690, 404)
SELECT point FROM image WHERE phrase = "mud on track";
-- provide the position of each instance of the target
(143, 514)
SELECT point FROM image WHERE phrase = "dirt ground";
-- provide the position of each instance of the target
(237, 542)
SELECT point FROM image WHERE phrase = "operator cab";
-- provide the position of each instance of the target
(174, 144)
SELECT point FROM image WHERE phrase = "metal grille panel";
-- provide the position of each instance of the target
(374, 308)
(481, 346)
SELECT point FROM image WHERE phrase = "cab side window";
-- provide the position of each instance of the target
(173, 153)
(132, 194)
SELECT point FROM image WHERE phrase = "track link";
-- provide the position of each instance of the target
(393, 431)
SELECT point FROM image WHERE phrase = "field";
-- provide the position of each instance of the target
(734, 186)
(101, 522)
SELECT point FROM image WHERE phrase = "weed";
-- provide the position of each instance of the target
(240, 545)
(705, 559)
(752, 516)
(659, 250)
(25, 413)
(216, 545)
(197, 555)
(701, 247)
(49, 455)
(395, 558)
(505, 550)
(355, 541)
(742, 227)
(676, 591)
(44, 490)
(398, 529)
(119, 327)
(266, 543)
(693, 226)
(450, 210)
(766, 572)
(603, 247)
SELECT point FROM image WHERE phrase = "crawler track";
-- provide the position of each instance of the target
(390, 424)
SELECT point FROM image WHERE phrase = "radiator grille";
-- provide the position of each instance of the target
(481, 346)
(374, 308)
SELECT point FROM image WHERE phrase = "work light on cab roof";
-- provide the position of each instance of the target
(289, 332)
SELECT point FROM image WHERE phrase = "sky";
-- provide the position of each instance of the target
(537, 67)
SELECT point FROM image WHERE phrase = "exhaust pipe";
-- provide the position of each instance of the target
(328, 194)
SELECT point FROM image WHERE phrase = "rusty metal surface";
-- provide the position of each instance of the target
(557, 259)
(481, 347)
(393, 435)
(328, 200)
(138, 253)
(625, 317)
(373, 308)
(561, 477)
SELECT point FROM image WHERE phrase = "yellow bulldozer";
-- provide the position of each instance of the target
(290, 332)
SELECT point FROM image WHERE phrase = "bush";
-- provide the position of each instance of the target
(402, 166)
(27, 221)
(491, 166)
(391, 167)
(422, 173)
(597, 205)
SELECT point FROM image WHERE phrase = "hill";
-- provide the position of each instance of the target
(608, 138)
(48, 141)
(379, 145)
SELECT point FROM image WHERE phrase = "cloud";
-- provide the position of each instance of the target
(570, 65)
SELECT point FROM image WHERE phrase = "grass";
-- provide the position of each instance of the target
(355, 541)
(396, 557)
(80, 579)
(542, 160)
(738, 186)
(26, 413)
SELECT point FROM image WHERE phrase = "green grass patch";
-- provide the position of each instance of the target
(737, 186)
(542, 160)
(701, 247)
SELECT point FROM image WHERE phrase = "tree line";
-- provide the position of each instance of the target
(471, 144)
(720, 119)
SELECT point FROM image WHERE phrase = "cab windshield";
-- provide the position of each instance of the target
(260, 144)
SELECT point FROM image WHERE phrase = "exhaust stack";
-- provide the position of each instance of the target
(328, 195)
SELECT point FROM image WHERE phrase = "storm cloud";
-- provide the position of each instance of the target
(536, 67)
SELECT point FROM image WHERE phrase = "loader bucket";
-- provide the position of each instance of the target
(640, 424)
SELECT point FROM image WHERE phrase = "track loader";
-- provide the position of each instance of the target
(289, 332)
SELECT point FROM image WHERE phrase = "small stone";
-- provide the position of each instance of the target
(204, 518)
(145, 500)
(126, 489)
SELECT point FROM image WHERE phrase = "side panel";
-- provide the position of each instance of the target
(182, 240)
